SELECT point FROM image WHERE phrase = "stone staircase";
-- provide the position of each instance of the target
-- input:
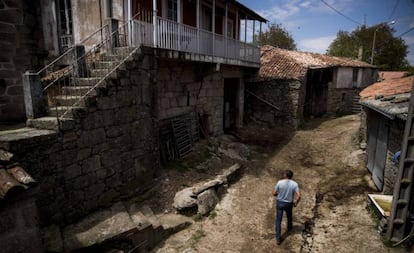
(76, 93)
(356, 106)
(121, 227)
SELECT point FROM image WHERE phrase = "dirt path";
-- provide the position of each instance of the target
(332, 216)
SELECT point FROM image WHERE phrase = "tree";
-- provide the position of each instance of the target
(276, 36)
(389, 54)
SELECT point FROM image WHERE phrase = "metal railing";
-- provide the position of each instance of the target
(67, 86)
(176, 36)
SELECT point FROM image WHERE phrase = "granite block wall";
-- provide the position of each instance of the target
(286, 95)
(20, 50)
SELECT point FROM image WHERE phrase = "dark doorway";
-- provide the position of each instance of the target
(317, 82)
(230, 105)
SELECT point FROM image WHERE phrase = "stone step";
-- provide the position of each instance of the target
(111, 57)
(58, 111)
(69, 100)
(51, 123)
(105, 64)
(123, 51)
(143, 216)
(11, 139)
(100, 73)
(84, 81)
(98, 228)
(77, 90)
(134, 225)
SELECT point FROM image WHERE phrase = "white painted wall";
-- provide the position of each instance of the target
(343, 77)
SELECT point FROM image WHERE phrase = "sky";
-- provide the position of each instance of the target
(313, 25)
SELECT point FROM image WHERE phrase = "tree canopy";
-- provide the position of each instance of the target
(389, 52)
(276, 36)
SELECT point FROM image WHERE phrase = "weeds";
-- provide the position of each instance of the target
(212, 214)
(196, 237)
(198, 217)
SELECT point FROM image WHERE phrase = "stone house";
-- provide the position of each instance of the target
(126, 80)
(293, 85)
(383, 118)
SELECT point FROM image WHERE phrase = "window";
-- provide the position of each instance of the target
(355, 77)
(172, 10)
(64, 24)
(230, 31)
(207, 20)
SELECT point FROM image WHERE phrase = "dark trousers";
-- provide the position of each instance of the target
(280, 207)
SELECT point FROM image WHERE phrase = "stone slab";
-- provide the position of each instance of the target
(98, 227)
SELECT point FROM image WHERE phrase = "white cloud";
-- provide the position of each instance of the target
(280, 13)
(317, 45)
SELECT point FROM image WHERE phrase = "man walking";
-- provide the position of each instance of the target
(287, 192)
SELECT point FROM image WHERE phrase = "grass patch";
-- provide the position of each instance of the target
(212, 214)
(198, 217)
(196, 237)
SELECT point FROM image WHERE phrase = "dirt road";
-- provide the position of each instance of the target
(332, 216)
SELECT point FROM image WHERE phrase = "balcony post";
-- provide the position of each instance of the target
(214, 25)
(154, 21)
(198, 26)
(254, 27)
(79, 61)
(113, 34)
(245, 37)
(34, 101)
(226, 29)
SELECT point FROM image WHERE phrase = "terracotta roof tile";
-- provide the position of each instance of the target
(388, 88)
(386, 75)
(13, 177)
(279, 63)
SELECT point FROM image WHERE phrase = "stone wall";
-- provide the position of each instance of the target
(20, 50)
(195, 88)
(19, 224)
(286, 95)
(340, 100)
(109, 152)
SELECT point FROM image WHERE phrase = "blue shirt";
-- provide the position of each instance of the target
(286, 189)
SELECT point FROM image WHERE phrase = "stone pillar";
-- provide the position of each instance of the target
(79, 61)
(113, 34)
(33, 96)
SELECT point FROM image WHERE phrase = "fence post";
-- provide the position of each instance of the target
(34, 101)
(113, 34)
(79, 61)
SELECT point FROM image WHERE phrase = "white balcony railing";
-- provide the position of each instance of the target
(180, 37)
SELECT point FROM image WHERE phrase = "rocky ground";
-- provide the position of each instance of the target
(330, 170)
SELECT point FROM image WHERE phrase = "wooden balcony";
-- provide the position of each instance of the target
(196, 44)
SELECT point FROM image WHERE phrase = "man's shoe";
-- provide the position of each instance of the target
(278, 241)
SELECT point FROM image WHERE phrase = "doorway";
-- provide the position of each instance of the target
(316, 98)
(65, 30)
(230, 103)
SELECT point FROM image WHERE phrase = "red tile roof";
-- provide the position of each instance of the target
(388, 88)
(279, 63)
(386, 75)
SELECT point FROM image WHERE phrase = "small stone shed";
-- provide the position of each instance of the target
(293, 85)
(385, 107)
